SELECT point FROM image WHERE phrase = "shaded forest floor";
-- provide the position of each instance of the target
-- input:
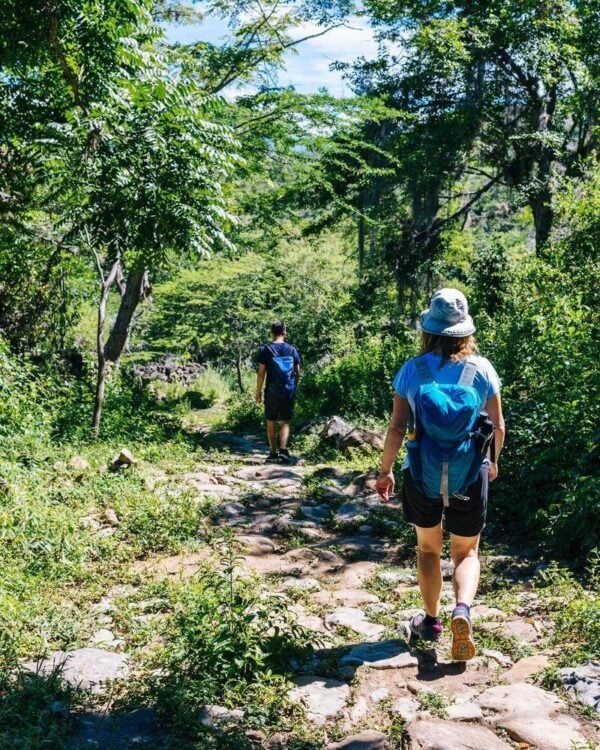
(310, 541)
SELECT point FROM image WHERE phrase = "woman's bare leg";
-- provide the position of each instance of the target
(429, 550)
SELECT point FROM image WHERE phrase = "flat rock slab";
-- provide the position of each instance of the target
(384, 655)
(299, 584)
(464, 712)
(256, 544)
(349, 597)
(406, 708)
(531, 715)
(269, 473)
(185, 565)
(368, 740)
(323, 697)
(355, 574)
(438, 734)
(526, 668)
(86, 668)
(356, 620)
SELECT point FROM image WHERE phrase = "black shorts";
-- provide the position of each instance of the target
(463, 517)
(278, 408)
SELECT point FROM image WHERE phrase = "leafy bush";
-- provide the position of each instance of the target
(359, 382)
(227, 636)
(544, 342)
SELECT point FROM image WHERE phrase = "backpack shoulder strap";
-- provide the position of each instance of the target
(467, 376)
(423, 371)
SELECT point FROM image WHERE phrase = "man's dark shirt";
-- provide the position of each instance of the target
(281, 349)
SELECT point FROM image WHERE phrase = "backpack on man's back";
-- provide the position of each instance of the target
(282, 380)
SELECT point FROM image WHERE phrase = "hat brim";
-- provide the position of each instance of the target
(439, 328)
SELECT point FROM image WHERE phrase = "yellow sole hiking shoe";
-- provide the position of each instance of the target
(463, 645)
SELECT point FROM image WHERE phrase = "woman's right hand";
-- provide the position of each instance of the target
(385, 485)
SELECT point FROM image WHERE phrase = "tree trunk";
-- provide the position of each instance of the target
(361, 244)
(543, 218)
(238, 367)
(100, 349)
(129, 302)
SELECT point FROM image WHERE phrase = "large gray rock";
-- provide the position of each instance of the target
(323, 697)
(583, 683)
(367, 740)
(335, 429)
(350, 512)
(86, 668)
(406, 708)
(317, 513)
(122, 460)
(356, 620)
(358, 438)
(215, 716)
(438, 734)
(384, 655)
(530, 714)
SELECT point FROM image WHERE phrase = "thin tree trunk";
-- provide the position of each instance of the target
(119, 334)
(238, 367)
(100, 349)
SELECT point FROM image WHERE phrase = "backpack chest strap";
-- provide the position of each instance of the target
(423, 371)
(467, 376)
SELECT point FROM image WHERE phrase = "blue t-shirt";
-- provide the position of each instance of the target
(281, 349)
(486, 382)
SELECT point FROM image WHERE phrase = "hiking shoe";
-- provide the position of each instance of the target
(272, 458)
(463, 645)
(284, 456)
(420, 627)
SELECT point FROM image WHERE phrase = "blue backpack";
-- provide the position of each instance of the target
(283, 381)
(442, 459)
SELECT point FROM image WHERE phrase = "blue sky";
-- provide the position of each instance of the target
(307, 69)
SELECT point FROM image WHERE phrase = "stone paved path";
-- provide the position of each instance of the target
(327, 550)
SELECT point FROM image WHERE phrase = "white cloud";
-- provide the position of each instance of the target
(307, 66)
(308, 69)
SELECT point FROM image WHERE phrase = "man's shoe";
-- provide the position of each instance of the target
(422, 627)
(272, 458)
(284, 456)
(463, 645)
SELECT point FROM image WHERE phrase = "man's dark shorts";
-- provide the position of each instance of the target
(278, 408)
(463, 517)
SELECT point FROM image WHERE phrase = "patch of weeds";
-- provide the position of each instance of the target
(397, 732)
(161, 522)
(496, 640)
(228, 639)
(575, 612)
(434, 702)
(34, 711)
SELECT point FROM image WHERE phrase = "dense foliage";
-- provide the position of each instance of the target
(164, 203)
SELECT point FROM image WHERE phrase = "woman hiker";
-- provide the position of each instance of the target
(439, 395)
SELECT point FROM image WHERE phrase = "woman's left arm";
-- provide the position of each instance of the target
(393, 443)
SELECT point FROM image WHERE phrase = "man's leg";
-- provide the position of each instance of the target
(272, 434)
(464, 551)
(284, 435)
(429, 550)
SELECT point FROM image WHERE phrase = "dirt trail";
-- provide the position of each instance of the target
(320, 535)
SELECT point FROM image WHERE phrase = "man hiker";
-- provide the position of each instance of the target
(280, 363)
(447, 403)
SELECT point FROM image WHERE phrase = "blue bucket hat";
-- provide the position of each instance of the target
(448, 315)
